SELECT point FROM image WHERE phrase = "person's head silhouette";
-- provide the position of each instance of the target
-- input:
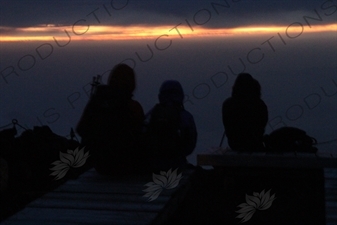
(171, 91)
(246, 86)
(122, 77)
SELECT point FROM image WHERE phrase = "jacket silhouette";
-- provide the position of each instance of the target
(245, 115)
(171, 133)
(111, 124)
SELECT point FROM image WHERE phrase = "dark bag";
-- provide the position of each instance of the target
(290, 139)
(164, 135)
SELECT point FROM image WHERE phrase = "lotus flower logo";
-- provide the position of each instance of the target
(259, 201)
(73, 159)
(164, 180)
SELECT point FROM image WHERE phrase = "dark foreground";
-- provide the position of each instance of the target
(215, 195)
(212, 197)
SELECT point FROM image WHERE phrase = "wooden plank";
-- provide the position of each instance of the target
(326, 155)
(80, 216)
(290, 160)
(99, 202)
(284, 161)
(330, 173)
(217, 150)
(330, 196)
(96, 199)
(172, 206)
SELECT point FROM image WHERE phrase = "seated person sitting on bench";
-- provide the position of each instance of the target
(245, 115)
(111, 125)
(170, 131)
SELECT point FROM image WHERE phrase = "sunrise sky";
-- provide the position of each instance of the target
(198, 42)
(100, 33)
(132, 20)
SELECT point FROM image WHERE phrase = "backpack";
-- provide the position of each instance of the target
(164, 135)
(290, 139)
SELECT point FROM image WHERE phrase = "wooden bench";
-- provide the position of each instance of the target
(229, 158)
(251, 164)
(97, 199)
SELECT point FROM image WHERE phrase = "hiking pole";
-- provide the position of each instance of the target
(223, 137)
(94, 84)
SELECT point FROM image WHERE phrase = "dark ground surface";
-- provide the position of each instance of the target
(19, 195)
(215, 195)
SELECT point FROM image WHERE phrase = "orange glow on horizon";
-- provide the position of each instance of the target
(101, 33)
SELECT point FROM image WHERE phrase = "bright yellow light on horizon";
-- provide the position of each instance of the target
(100, 33)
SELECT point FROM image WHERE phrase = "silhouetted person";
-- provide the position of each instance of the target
(171, 133)
(245, 115)
(111, 124)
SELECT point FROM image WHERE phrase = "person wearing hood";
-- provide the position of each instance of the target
(111, 124)
(245, 115)
(171, 133)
